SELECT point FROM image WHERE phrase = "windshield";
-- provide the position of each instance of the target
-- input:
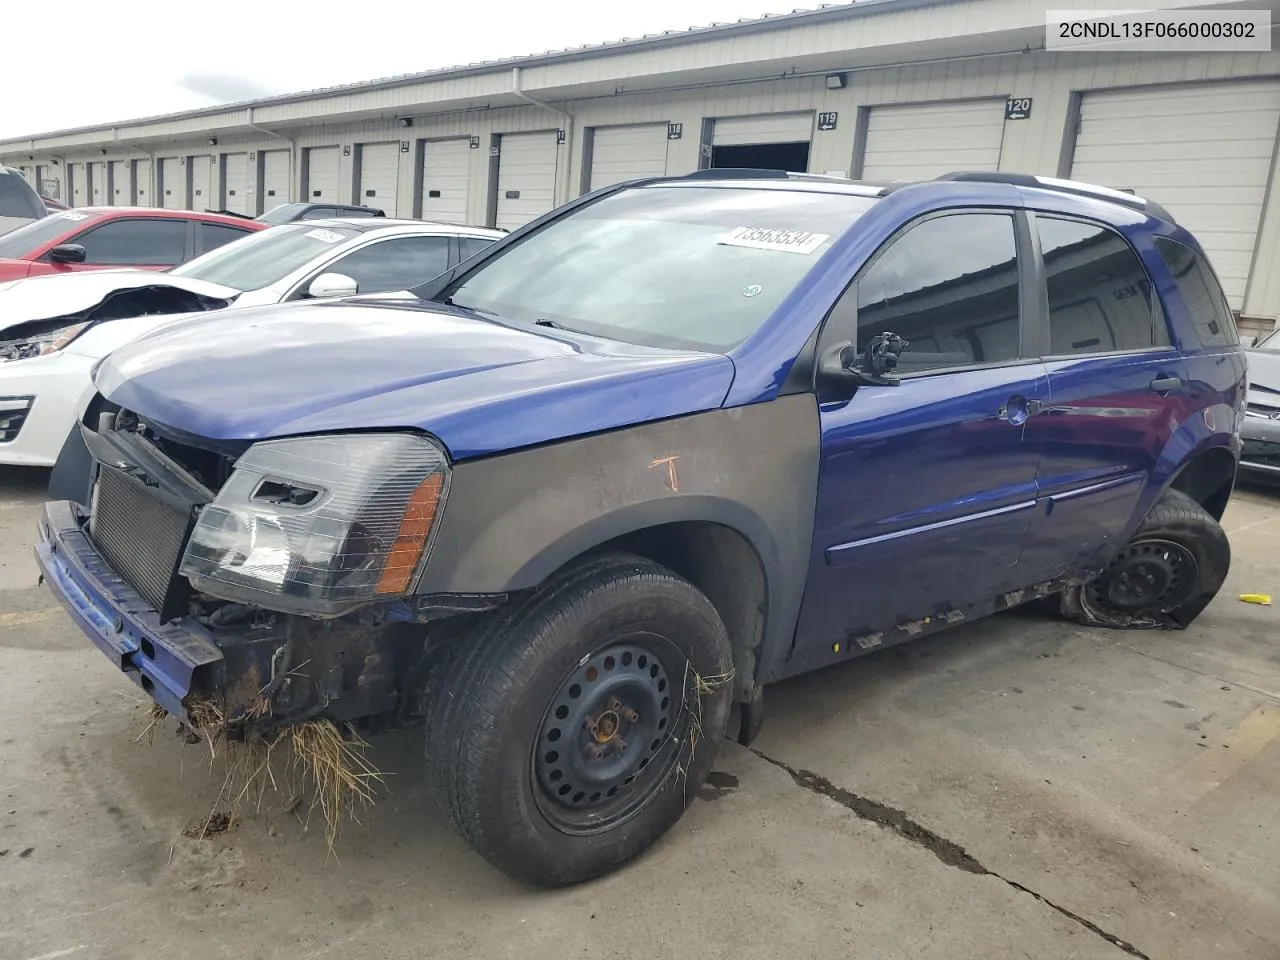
(262, 258)
(686, 267)
(30, 237)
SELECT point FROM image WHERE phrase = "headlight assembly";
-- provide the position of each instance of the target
(36, 345)
(320, 525)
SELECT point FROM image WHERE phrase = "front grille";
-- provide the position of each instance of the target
(142, 536)
(13, 414)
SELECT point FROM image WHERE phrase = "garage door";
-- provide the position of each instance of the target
(379, 174)
(142, 184)
(526, 178)
(923, 141)
(121, 183)
(98, 184)
(202, 197)
(627, 153)
(446, 179)
(275, 179)
(767, 128)
(1203, 151)
(322, 175)
(173, 184)
(235, 183)
(77, 195)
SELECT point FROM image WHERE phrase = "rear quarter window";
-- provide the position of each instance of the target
(1201, 292)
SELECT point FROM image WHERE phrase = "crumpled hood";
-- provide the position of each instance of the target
(1264, 378)
(51, 296)
(481, 387)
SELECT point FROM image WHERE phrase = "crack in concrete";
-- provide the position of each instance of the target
(950, 853)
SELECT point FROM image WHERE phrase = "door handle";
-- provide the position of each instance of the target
(1019, 409)
(1165, 384)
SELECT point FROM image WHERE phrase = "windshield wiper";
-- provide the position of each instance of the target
(543, 322)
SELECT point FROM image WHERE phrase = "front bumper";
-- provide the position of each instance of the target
(53, 386)
(1260, 438)
(168, 660)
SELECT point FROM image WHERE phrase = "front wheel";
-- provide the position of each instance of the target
(1164, 577)
(577, 725)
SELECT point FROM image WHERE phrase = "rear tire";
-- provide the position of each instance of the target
(1164, 577)
(576, 725)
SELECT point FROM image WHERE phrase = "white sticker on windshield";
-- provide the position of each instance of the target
(75, 216)
(768, 238)
(327, 236)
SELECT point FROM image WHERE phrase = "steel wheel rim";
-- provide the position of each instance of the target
(1146, 575)
(610, 735)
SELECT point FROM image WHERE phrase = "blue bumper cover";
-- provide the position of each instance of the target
(161, 658)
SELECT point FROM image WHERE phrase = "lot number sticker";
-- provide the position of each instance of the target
(327, 236)
(784, 241)
(75, 216)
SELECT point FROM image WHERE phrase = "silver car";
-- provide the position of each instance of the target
(19, 202)
(336, 258)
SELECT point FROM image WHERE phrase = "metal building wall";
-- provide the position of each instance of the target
(1042, 143)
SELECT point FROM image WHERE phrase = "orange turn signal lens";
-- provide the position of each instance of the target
(405, 553)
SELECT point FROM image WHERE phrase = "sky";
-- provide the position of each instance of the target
(94, 64)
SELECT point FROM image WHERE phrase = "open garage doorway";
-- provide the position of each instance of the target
(775, 141)
(792, 157)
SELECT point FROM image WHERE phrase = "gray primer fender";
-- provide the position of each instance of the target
(512, 520)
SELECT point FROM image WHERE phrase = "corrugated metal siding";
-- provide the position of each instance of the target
(923, 141)
(446, 180)
(626, 153)
(526, 178)
(1032, 145)
(774, 128)
(274, 189)
(173, 183)
(235, 184)
(379, 176)
(1203, 151)
(322, 175)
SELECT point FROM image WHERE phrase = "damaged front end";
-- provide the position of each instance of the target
(51, 332)
(260, 587)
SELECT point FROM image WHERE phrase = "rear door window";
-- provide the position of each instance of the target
(1201, 292)
(396, 264)
(1100, 297)
(149, 243)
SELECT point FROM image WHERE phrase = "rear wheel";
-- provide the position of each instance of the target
(1164, 577)
(576, 727)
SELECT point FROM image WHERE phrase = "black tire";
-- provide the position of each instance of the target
(1190, 557)
(635, 635)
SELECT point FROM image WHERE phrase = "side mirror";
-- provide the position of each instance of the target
(67, 253)
(333, 285)
(843, 363)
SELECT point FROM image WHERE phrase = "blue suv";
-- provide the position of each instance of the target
(672, 442)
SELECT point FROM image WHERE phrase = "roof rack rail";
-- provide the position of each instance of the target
(736, 173)
(1126, 198)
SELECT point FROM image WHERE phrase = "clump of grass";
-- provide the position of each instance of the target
(314, 757)
(696, 688)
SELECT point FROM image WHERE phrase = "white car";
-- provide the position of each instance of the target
(53, 329)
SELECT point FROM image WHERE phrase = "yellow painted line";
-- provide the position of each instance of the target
(1224, 759)
(24, 618)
